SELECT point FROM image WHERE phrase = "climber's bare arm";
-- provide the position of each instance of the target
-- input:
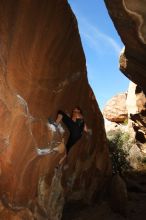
(87, 130)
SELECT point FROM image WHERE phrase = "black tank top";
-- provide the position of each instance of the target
(80, 123)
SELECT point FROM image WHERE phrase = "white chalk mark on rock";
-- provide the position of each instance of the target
(66, 82)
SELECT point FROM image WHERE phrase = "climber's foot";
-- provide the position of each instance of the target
(52, 122)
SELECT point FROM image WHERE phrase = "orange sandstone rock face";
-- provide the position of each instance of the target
(129, 19)
(43, 69)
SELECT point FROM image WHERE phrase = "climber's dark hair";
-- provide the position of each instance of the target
(77, 107)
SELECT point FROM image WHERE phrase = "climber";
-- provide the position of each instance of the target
(75, 125)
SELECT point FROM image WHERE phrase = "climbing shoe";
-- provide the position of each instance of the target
(52, 122)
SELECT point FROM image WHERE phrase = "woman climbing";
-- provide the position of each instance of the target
(75, 124)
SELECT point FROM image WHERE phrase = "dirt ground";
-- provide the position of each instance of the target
(136, 209)
(102, 211)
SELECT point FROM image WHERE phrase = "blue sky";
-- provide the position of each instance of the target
(102, 46)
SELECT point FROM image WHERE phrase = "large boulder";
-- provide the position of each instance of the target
(43, 69)
(115, 109)
(130, 22)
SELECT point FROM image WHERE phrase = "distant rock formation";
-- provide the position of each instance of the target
(115, 110)
(43, 69)
(136, 105)
(135, 123)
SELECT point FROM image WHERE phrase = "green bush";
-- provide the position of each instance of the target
(144, 160)
(119, 146)
(125, 122)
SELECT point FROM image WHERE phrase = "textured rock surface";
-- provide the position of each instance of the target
(136, 106)
(42, 69)
(115, 109)
(130, 21)
(118, 195)
(134, 207)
